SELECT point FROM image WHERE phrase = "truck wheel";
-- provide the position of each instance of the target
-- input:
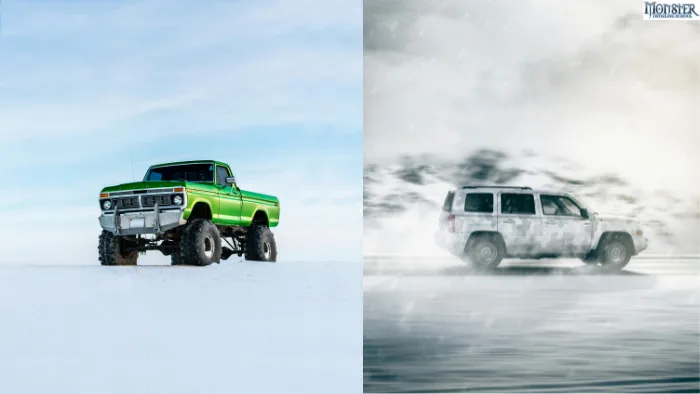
(260, 244)
(176, 258)
(200, 244)
(485, 252)
(614, 252)
(110, 248)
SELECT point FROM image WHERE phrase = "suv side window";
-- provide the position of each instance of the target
(559, 206)
(479, 203)
(518, 204)
(221, 175)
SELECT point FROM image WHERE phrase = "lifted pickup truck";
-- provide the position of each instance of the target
(186, 210)
(484, 224)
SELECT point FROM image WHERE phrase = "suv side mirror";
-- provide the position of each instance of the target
(584, 213)
(230, 180)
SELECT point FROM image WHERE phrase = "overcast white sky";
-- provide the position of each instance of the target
(588, 80)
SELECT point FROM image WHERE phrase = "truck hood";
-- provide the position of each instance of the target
(153, 185)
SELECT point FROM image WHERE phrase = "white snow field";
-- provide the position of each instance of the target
(239, 327)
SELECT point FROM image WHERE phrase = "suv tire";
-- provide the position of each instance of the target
(614, 252)
(485, 252)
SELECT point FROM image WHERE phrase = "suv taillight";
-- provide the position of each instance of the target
(451, 223)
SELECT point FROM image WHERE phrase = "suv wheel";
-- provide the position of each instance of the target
(200, 244)
(614, 252)
(260, 244)
(485, 252)
(110, 248)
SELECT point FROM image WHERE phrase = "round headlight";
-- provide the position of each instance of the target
(106, 205)
(177, 200)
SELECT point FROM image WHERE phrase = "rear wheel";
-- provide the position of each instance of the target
(260, 244)
(111, 249)
(200, 244)
(485, 252)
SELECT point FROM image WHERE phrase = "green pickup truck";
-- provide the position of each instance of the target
(186, 210)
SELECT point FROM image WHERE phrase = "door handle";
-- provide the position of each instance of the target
(507, 221)
(551, 222)
(586, 223)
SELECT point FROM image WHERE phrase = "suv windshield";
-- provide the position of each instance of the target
(185, 172)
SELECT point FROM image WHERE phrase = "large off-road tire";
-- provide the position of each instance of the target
(200, 244)
(260, 244)
(177, 258)
(614, 252)
(110, 250)
(484, 252)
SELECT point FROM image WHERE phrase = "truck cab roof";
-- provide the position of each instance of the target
(218, 163)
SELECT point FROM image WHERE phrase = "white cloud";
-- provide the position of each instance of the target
(218, 66)
(587, 80)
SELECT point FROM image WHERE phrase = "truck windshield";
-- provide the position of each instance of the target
(185, 172)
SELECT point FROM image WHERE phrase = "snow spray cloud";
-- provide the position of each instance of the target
(586, 80)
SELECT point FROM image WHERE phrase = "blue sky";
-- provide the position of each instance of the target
(272, 87)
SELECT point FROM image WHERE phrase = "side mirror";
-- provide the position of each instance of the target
(231, 180)
(584, 213)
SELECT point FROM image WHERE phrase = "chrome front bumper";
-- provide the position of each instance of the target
(148, 222)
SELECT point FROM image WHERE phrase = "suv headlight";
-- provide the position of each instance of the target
(177, 200)
(106, 204)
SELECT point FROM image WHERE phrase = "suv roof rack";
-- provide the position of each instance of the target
(496, 187)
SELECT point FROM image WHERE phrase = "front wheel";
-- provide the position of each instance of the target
(111, 250)
(260, 244)
(199, 245)
(614, 253)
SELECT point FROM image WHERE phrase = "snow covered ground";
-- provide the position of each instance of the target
(230, 328)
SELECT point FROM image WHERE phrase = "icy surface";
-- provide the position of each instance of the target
(229, 328)
(531, 327)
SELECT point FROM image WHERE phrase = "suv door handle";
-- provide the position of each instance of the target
(551, 222)
(507, 221)
(586, 223)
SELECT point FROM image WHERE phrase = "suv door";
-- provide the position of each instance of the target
(519, 222)
(230, 202)
(565, 230)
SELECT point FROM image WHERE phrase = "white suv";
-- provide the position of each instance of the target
(484, 224)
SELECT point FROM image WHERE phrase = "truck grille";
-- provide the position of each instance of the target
(127, 203)
(150, 201)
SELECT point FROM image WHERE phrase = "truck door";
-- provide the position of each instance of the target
(565, 231)
(230, 202)
(518, 222)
